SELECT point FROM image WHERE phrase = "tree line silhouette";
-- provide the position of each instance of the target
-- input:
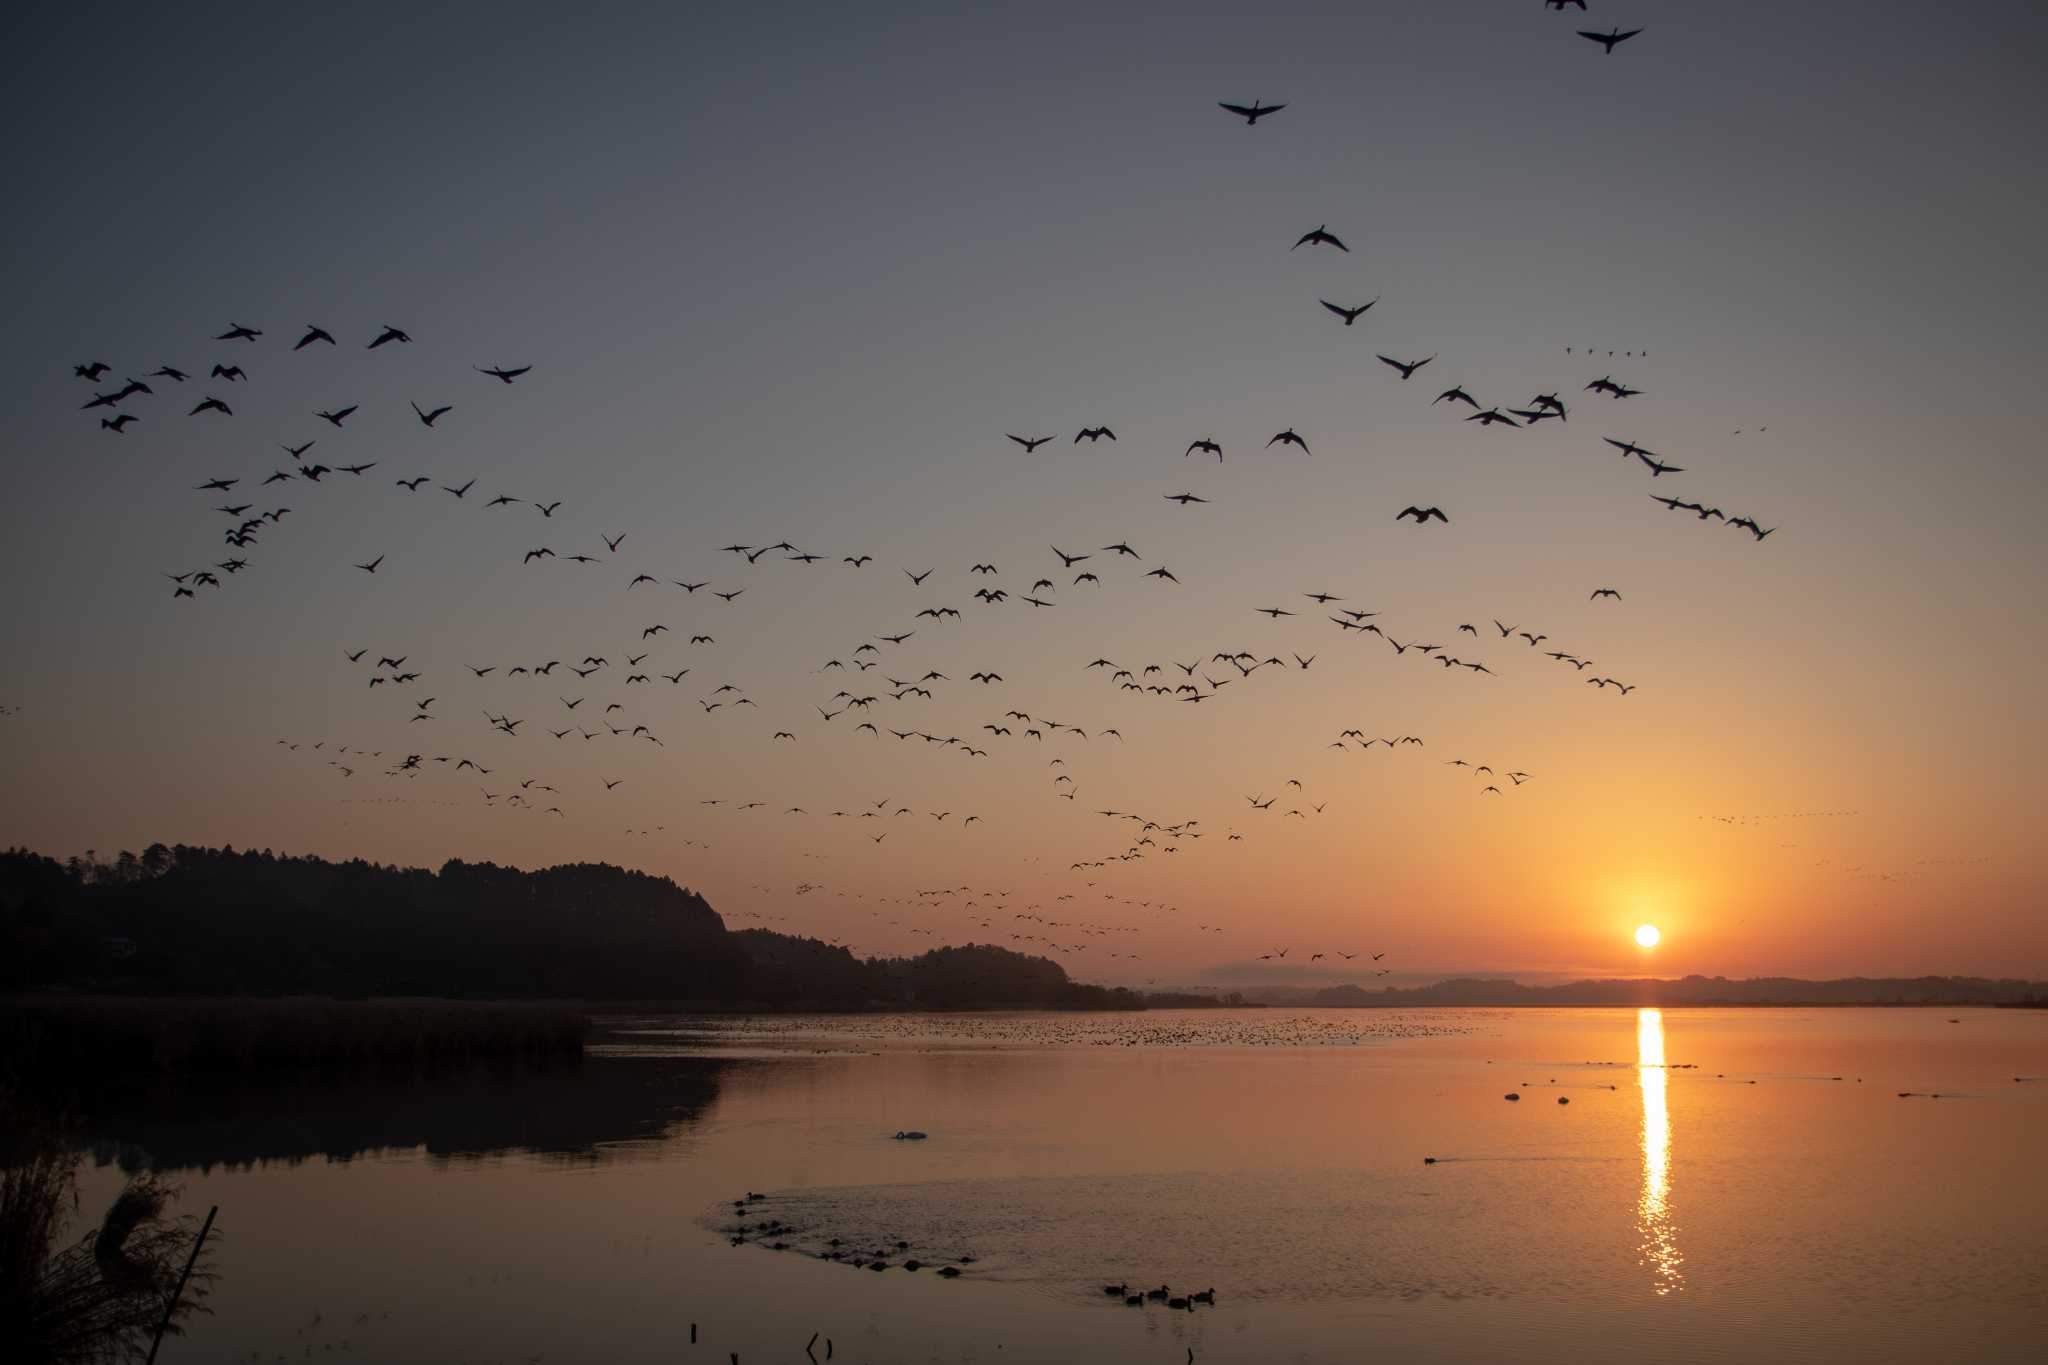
(182, 920)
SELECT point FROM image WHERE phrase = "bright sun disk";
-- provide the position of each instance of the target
(1647, 936)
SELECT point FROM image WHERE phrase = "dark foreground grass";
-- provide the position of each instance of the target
(81, 1035)
(66, 1298)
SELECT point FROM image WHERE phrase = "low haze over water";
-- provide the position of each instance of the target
(1722, 1185)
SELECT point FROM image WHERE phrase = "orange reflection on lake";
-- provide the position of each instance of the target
(1659, 1230)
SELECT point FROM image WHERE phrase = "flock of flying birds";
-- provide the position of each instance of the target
(586, 696)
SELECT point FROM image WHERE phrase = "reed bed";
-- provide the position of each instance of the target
(104, 1295)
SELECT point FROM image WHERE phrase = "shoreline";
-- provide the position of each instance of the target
(53, 1034)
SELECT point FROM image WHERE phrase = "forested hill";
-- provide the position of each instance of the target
(215, 921)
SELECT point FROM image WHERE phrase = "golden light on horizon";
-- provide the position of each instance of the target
(1647, 936)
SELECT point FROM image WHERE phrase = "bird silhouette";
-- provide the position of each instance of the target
(1610, 39)
(1253, 112)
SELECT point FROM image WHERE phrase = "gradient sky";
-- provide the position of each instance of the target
(790, 272)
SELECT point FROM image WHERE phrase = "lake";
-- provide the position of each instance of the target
(1690, 1185)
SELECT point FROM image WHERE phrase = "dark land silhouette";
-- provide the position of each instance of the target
(200, 922)
(178, 921)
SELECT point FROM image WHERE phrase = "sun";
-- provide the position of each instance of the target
(1647, 936)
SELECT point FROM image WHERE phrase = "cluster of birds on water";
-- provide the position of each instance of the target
(750, 1228)
(751, 1225)
(885, 682)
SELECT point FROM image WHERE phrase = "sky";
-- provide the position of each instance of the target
(790, 273)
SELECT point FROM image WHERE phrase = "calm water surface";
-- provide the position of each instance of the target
(1722, 1185)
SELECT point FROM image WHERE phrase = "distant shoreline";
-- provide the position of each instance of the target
(604, 1011)
(56, 1033)
(182, 922)
(1690, 992)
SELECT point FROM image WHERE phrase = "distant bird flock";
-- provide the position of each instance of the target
(600, 701)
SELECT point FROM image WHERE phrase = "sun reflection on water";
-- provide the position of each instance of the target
(1659, 1247)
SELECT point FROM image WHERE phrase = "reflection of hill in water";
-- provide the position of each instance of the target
(600, 1109)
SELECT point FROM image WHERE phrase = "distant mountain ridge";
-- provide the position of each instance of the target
(1683, 991)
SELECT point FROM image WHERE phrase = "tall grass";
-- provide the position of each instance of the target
(80, 1036)
(102, 1297)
